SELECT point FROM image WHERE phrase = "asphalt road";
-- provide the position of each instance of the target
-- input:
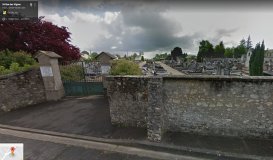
(89, 116)
(40, 150)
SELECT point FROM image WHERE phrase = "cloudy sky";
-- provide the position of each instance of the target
(120, 26)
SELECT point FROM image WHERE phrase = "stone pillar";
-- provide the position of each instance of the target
(154, 111)
(50, 71)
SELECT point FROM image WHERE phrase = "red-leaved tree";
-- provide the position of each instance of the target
(31, 36)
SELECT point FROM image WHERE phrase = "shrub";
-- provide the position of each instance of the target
(14, 67)
(6, 58)
(125, 67)
(72, 72)
(22, 58)
(15, 61)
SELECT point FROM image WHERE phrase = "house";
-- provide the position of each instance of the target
(105, 60)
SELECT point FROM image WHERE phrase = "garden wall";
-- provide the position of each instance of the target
(21, 89)
(212, 105)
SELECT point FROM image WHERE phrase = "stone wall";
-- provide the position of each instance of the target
(21, 89)
(128, 100)
(219, 105)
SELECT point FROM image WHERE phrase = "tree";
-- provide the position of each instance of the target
(31, 36)
(142, 58)
(159, 57)
(176, 52)
(219, 51)
(229, 52)
(256, 60)
(239, 51)
(243, 42)
(205, 50)
(248, 43)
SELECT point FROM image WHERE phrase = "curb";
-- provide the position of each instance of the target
(142, 144)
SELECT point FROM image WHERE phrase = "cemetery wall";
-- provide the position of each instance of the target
(212, 105)
(231, 106)
(21, 89)
(128, 100)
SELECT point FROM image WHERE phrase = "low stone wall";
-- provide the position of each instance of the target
(218, 105)
(21, 89)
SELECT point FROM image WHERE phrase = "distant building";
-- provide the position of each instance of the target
(268, 60)
(84, 55)
(138, 58)
(268, 55)
(105, 60)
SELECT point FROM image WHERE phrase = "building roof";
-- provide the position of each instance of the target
(48, 53)
(108, 54)
(84, 52)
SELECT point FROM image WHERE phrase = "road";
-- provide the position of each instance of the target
(42, 146)
(40, 150)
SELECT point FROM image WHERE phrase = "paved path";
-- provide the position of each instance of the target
(170, 70)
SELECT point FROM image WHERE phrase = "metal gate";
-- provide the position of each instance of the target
(82, 78)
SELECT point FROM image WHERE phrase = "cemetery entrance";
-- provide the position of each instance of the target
(82, 78)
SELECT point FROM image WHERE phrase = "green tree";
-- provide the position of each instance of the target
(176, 52)
(142, 58)
(239, 51)
(243, 42)
(248, 43)
(256, 60)
(205, 50)
(159, 57)
(125, 67)
(229, 52)
(219, 50)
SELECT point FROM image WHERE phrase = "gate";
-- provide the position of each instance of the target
(82, 78)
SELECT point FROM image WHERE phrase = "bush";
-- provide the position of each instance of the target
(14, 67)
(72, 72)
(15, 61)
(22, 58)
(125, 67)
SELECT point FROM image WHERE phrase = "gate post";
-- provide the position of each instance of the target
(50, 72)
(155, 109)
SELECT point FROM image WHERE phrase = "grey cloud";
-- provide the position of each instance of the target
(156, 32)
(226, 32)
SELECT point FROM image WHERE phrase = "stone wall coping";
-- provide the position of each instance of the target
(131, 76)
(203, 77)
(6, 76)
